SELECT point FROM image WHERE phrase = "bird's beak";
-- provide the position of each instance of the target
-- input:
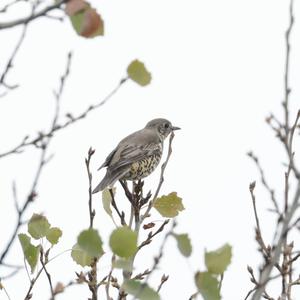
(175, 128)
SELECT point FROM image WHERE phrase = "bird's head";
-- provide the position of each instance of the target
(163, 127)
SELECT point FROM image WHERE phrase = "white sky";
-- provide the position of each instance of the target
(217, 69)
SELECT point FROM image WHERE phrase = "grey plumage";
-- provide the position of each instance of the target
(137, 155)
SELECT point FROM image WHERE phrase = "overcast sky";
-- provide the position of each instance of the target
(217, 69)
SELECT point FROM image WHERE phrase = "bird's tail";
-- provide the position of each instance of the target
(103, 184)
(108, 180)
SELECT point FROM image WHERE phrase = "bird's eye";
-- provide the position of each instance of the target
(166, 125)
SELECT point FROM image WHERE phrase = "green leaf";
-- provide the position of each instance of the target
(207, 285)
(123, 242)
(80, 256)
(53, 235)
(140, 290)
(31, 252)
(183, 244)
(123, 264)
(169, 206)
(218, 260)
(77, 21)
(106, 201)
(138, 73)
(38, 226)
(90, 241)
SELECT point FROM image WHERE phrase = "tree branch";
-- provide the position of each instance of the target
(161, 180)
(36, 141)
(280, 246)
(33, 16)
(42, 162)
(9, 64)
(92, 212)
(44, 262)
(264, 181)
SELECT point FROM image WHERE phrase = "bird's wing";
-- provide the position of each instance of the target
(133, 153)
(108, 159)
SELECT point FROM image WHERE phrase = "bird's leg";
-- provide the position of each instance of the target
(114, 205)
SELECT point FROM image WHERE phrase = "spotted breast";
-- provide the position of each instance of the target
(144, 167)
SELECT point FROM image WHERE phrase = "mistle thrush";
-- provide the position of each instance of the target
(137, 155)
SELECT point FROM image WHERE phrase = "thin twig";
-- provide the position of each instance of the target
(30, 198)
(107, 285)
(259, 237)
(42, 257)
(158, 257)
(161, 180)
(164, 165)
(92, 212)
(250, 292)
(92, 283)
(152, 235)
(221, 282)
(264, 181)
(194, 296)
(33, 16)
(71, 120)
(42, 162)
(290, 275)
(114, 205)
(141, 276)
(58, 94)
(59, 288)
(289, 147)
(9, 64)
(5, 291)
(287, 141)
(265, 274)
(7, 6)
(163, 279)
(287, 89)
(32, 283)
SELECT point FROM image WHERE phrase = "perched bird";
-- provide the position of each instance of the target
(137, 155)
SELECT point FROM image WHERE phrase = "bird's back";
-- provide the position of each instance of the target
(140, 139)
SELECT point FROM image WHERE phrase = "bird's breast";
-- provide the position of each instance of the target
(143, 167)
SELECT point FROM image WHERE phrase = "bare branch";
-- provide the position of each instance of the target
(7, 6)
(161, 180)
(32, 283)
(5, 291)
(44, 260)
(92, 283)
(114, 205)
(9, 64)
(42, 162)
(264, 181)
(151, 235)
(92, 212)
(36, 141)
(158, 257)
(258, 237)
(265, 274)
(289, 209)
(33, 16)
(107, 285)
(163, 279)
(287, 89)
